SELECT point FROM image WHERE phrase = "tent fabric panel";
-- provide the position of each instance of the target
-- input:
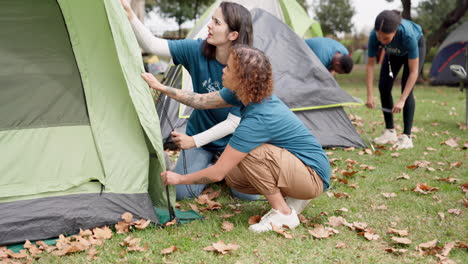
(440, 70)
(331, 127)
(131, 64)
(47, 160)
(39, 79)
(298, 19)
(43, 218)
(300, 79)
(460, 34)
(116, 129)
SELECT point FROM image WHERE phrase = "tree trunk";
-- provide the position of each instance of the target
(440, 34)
(406, 14)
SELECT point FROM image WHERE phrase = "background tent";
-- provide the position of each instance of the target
(80, 142)
(301, 81)
(451, 51)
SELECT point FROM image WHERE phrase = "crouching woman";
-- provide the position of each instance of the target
(270, 153)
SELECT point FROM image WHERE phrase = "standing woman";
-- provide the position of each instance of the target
(271, 151)
(208, 131)
(404, 45)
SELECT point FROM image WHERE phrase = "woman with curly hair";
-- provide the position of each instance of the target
(271, 151)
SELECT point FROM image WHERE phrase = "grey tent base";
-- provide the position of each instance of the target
(49, 217)
(331, 127)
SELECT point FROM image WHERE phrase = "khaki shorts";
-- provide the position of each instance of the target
(269, 169)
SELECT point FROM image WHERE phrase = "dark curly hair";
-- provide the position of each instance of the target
(253, 69)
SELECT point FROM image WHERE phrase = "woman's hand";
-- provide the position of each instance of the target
(128, 9)
(169, 177)
(370, 102)
(152, 81)
(398, 107)
(182, 140)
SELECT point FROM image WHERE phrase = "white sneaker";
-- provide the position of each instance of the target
(404, 142)
(296, 204)
(278, 219)
(388, 136)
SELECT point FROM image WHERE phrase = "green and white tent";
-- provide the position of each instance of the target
(80, 141)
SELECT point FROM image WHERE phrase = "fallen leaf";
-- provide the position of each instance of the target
(396, 251)
(451, 142)
(169, 250)
(122, 227)
(403, 176)
(340, 245)
(322, 232)
(449, 180)
(254, 219)
(281, 231)
(441, 215)
(336, 221)
(424, 188)
(127, 217)
(222, 248)
(429, 244)
(396, 154)
(202, 199)
(227, 226)
(142, 224)
(92, 252)
(389, 195)
(349, 149)
(455, 211)
(401, 240)
(400, 232)
(370, 235)
(32, 248)
(430, 149)
(104, 233)
(447, 248)
(342, 210)
(341, 195)
(169, 223)
(226, 215)
(194, 207)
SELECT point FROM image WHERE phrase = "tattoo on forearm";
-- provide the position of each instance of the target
(196, 100)
(204, 180)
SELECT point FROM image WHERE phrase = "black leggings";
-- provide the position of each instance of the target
(386, 85)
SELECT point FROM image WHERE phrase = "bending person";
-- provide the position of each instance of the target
(205, 60)
(270, 153)
(405, 46)
(333, 55)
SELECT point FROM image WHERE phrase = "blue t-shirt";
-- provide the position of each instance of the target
(272, 122)
(206, 77)
(404, 43)
(325, 49)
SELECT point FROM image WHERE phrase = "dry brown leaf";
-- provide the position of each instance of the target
(340, 245)
(202, 199)
(104, 233)
(133, 244)
(456, 164)
(370, 235)
(447, 248)
(214, 195)
(127, 217)
(341, 195)
(169, 223)
(254, 219)
(226, 215)
(349, 149)
(441, 215)
(400, 232)
(342, 210)
(424, 188)
(85, 233)
(367, 167)
(322, 232)
(194, 207)
(222, 248)
(336, 221)
(389, 195)
(396, 251)
(455, 211)
(451, 142)
(430, 149)
(142, 224)
(227, 226)
(449, 180)
(380, 207)
(429, 244)
(169, 250)
(122, 227)
(349, 173)
(281, 231)
(212, 205)
(401, 240)
(92, 252)
(403, 176)
(32, 248)
(20, 255)
(395, 154)
(361, 226)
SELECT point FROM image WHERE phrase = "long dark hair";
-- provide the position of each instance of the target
(238, 19)
(387, 21)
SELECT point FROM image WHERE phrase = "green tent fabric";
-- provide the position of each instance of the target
(80, 141)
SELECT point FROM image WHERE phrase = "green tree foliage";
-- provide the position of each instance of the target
(181, 10)
(334, 16)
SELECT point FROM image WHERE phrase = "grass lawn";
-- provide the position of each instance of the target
(439, 110)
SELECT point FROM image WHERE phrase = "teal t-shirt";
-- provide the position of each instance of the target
(206, 77)
(404, 43)
(325, 49)
(272, 122)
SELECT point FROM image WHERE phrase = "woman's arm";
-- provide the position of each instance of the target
(413, 76)
(216, 132)
(147, 41)
(228, 160)
(194, 100)
(369, 82)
